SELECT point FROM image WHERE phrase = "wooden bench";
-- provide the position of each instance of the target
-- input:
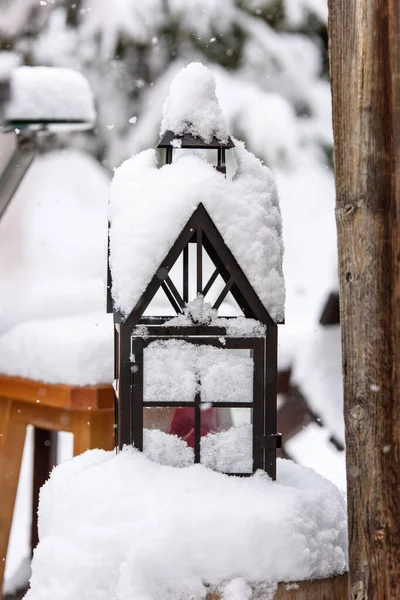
(86, 412)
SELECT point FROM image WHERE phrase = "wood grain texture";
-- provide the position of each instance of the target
(12, 438)
(335, 588)
(87, 412)
(57, 396)
(365, 66)
(93, 429)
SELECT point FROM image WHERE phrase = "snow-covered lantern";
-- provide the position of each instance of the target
(197, 293)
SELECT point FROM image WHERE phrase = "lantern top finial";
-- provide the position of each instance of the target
(191, 114)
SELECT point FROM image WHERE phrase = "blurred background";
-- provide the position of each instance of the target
(270, 60)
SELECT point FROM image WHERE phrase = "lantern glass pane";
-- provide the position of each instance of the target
(228, 447)
(226, 375)
(168, 435)
(176, 370)
(225, 435)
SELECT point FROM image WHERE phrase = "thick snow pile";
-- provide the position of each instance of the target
(120, 527)
(226, 451)
(234, 327)
(199, 312)
(149, 207)
(40, 93)
(74, 350)
(311, 447)
(176, 370)
(230, 450)
(192, 105)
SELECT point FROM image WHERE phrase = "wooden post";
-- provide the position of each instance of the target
(365, 72)
(334, 588)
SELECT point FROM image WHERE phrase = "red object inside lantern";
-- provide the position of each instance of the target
(182, 423)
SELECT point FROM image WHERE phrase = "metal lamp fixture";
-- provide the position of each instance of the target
(27, 135)
(137, 335)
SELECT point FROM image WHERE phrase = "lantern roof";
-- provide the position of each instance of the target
(187, 140)
(155, 212)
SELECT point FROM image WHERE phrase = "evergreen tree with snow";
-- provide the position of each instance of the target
(269, 57)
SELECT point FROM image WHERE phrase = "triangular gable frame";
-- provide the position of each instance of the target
(223, 259)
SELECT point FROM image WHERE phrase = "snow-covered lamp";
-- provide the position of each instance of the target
(197, 293)
(48, 98)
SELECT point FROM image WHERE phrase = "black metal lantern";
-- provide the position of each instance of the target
(195, 378)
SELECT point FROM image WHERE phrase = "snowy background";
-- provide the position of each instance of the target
(270, 61)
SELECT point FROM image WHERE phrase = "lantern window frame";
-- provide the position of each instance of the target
(265, 440)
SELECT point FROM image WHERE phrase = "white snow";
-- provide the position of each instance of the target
(149, 207)
(120, 527)
(241, 327)
(317, 370)
(8, 62)
(298, 11)
(198, 311)
(229, 451)
(170, 371)
(74, 350)
(50, 93)
(312, 447)
(19, 580)
(14, 16)
(174, 370)
(53, 240)
(225, 375)
(307, 201)
(192, 106)
(238, 589)
(166, 449)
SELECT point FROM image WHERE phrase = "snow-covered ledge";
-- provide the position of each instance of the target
(50, 95)
(121, 527)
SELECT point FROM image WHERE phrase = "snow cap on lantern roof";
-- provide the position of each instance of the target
(150, 206)
(191, 112)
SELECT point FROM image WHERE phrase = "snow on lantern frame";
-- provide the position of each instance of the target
(263, 446)
(132, 334)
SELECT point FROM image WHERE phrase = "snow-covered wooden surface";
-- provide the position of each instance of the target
(333, 588)
(123, 526)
